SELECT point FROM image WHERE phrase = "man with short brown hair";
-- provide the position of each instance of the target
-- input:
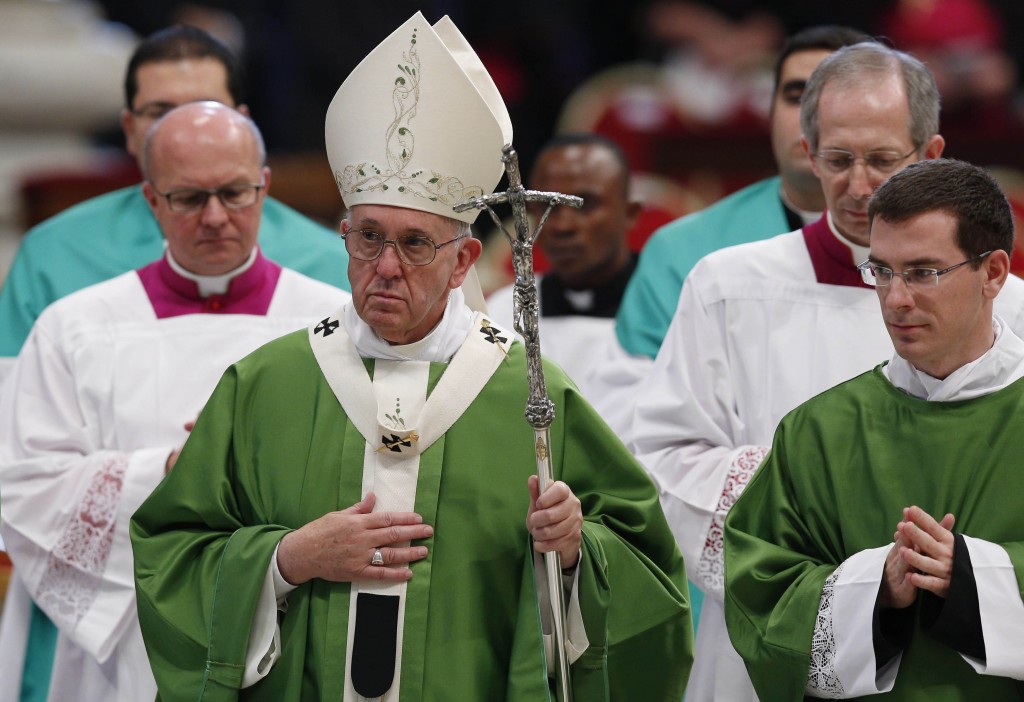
(845, 577)
(116, 232)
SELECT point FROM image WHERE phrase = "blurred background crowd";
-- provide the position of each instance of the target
(683, 86)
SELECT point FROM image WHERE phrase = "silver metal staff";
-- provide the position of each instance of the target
(540, 411)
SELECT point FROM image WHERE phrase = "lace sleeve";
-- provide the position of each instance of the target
(711, 568)
(822, 679)
(75, 567)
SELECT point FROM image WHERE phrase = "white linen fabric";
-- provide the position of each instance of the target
(97, 400)
(575, 342)
(754, 336)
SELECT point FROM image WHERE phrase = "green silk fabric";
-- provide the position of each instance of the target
(273, 450)
(841, 469)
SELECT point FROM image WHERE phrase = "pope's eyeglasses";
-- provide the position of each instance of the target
(413, 249)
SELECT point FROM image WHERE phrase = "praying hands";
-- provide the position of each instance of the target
(921, 558)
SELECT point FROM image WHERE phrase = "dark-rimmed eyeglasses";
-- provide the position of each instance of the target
(838, 161)
(234, 197)
(881, 276)
(413, 249)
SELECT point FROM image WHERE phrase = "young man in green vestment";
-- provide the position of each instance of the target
(355, 515)
(877, 551)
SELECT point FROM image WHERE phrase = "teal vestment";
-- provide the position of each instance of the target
(754, 213)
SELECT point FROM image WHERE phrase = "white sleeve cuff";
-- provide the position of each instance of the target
(575, 632)
(265, 634)
(1002, 611)
(281, 586)
(842, 650)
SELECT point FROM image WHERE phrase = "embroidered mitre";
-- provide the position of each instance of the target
(418, 123)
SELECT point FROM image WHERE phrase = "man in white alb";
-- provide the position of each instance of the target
(97, 403)
(762, 327)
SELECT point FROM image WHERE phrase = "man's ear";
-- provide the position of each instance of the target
(934, 146)
(469, 251)
(807, 150)
(997, 270)
(266, 181)
(633, 210)
(149, 192)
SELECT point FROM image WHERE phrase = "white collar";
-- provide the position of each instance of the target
(438, 346)
(860, 253)
(212, 284)
(998, 367)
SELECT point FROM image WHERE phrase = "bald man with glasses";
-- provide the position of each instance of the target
(115, 233)
(96, 407)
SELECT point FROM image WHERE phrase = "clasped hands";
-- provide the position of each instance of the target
(920, 559)
(340, 545)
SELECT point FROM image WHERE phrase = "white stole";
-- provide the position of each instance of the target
(396, 418)
(1000, 366)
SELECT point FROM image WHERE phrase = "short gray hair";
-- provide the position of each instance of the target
(863, 64)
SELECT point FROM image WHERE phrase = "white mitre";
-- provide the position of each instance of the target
(418, 123)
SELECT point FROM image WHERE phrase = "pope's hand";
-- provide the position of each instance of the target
(555, 520)
(340, 545)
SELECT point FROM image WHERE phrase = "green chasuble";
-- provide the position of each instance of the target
(841, 469)
(273, 450)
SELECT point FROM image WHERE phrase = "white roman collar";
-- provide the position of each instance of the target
(212, 284)
(860, 253)
(998, 367)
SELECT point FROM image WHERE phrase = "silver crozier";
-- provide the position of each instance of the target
(540, 411)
